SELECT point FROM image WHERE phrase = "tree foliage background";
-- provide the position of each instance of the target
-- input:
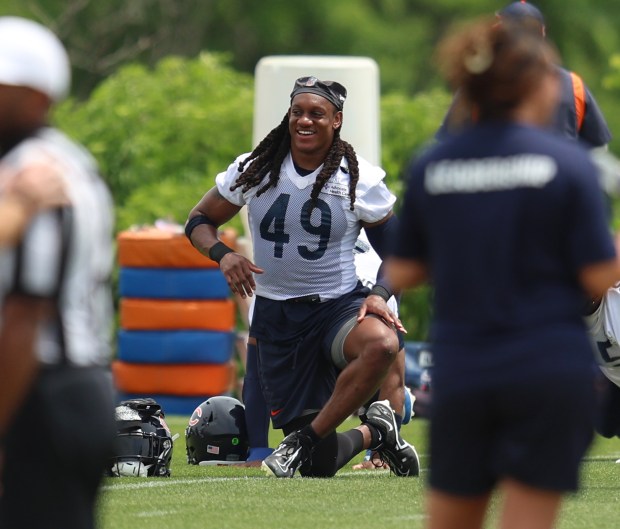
(163, 89)
(399, 34)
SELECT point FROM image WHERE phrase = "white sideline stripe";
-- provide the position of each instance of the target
(162, 482)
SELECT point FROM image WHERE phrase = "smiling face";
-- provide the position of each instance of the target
(312, 122)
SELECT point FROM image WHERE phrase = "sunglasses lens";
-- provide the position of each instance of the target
(308, 81)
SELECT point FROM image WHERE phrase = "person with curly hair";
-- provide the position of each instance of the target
(508, 220)
(323, 342)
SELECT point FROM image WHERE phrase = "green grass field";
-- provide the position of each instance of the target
(232, 497)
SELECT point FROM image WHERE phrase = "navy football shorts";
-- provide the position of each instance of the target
(533, 431)
(294, 342)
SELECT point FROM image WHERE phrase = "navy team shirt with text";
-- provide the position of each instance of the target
(505, 216)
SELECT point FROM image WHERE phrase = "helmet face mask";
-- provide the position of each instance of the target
(143, 445)
(216, 433)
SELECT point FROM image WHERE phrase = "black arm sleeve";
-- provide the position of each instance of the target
(380, 236)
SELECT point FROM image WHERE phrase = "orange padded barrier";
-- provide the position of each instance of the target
(163, 314)
(173, 379)
(155, 248)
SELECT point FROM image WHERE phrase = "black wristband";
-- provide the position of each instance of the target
(381, 291)
(219, 250)
(196, 221)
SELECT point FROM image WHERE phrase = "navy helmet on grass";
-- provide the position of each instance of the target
(143, 445)
(217, 433)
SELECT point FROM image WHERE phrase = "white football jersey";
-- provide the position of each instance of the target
(307, 249)
(367, 263)
(65, 255)
(604, 326)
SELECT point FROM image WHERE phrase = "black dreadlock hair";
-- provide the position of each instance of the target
(269, 154)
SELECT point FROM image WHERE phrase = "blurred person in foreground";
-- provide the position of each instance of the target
(56, 397)
(508, 222)
(24, 196)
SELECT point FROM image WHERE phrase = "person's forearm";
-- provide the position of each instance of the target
(203, 237)
(18, 362)
(405, 273)
(206, 217)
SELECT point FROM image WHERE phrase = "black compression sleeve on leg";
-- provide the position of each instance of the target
(325, 452)
(350, 444)
(375, 436)
(324, 457)
(334, 452)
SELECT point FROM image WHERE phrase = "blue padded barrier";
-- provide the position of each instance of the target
(172, 283)
(175, 347)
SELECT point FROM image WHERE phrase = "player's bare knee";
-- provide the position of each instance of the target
(381, 350)
(371, 342)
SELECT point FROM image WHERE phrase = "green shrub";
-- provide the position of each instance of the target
(162, 135)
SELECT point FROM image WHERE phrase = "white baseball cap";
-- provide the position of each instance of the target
(31, 55)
